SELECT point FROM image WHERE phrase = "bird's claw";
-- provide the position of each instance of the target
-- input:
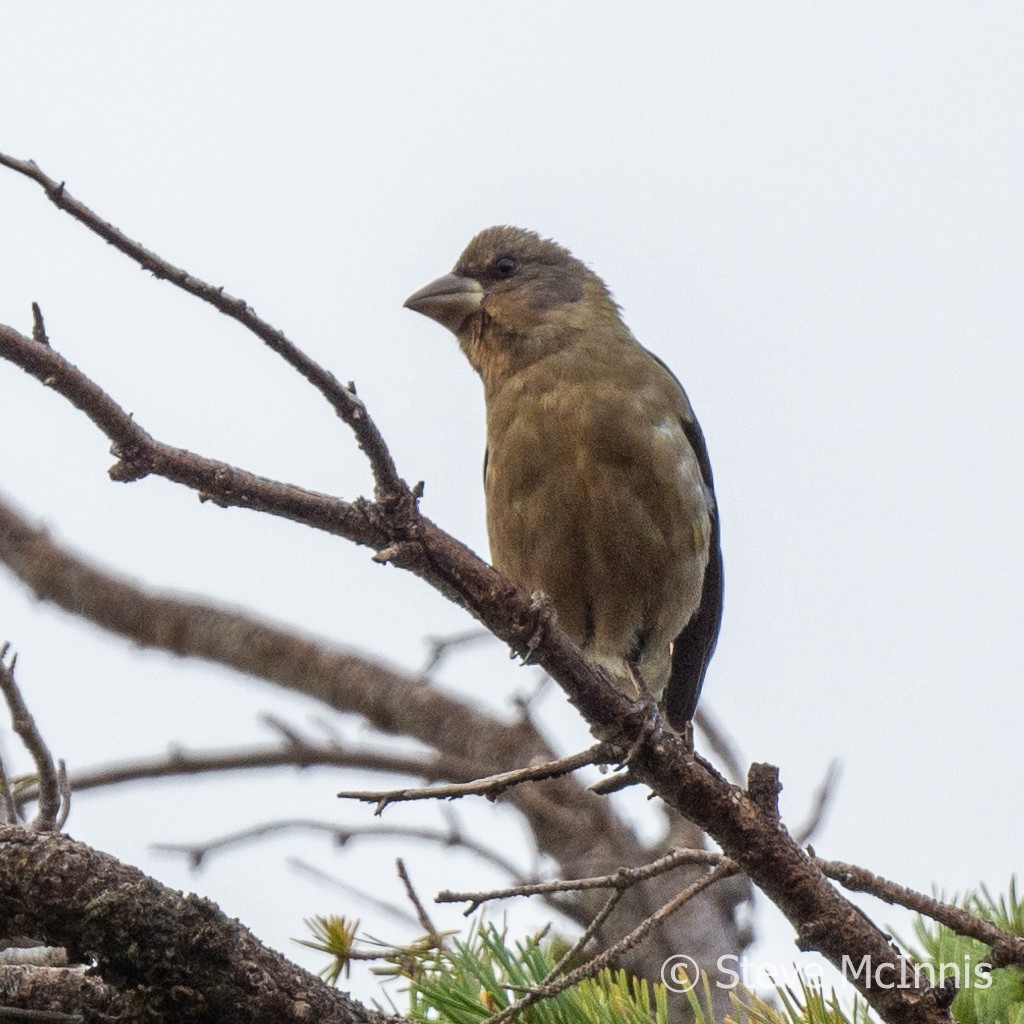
(543, 612)
(649, 725)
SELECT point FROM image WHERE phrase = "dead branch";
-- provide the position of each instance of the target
(202, 965)
(745, 824)
(196, 853)
(602, 960)
(342, 399)
(491, 787)
(580, 831)
(822, 798)
(622, 879)
(190, 627)
(49, 814)
(428, 926)
(300, 866)
(440, 647)
(1007, 948)
(307, 754)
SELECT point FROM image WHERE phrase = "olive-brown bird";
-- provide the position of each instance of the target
(598, 484)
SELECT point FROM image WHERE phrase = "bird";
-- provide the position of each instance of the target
(598, 486)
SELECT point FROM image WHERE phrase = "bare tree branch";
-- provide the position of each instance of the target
(390, 700)
(578, 830)
(435, 937)
(392, 909)
(1007, 948)
(745, 824)
(622, 879)
(822, 798)
(491, 787)
(439, 647)
(178, 762)
(341, 835)
(48, 813)
(197, 963)
(140, 455)
(602, 960)
(342, 399)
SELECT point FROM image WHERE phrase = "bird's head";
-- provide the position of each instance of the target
(513, 298)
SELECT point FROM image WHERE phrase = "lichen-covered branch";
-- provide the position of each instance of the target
(168, 956)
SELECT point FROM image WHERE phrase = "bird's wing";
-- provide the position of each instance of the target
(692, 649)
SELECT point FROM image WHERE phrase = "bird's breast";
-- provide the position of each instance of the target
(595, 497)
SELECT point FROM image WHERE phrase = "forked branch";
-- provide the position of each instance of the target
(744, 823)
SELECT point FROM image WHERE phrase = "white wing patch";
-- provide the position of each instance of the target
(671, 438)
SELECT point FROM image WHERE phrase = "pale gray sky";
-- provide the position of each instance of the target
(813, 213)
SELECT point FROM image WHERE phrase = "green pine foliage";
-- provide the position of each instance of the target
(466, 982)
(811, 1005)
(335, 936)
(472, 980)
(984, 997)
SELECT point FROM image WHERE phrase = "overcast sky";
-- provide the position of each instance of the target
(813, 213)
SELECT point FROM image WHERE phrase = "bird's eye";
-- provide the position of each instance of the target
(506, 266)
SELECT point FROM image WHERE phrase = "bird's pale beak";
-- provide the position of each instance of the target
(450, 300)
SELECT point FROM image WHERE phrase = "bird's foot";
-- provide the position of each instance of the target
(650, 723)
(686, 735)
(636, 680)
(543, 618)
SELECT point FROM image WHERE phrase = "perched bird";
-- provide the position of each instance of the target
(598, 484)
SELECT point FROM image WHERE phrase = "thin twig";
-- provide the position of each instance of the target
(587, 934)
(492, 787)
(196, 853)
(822, 798)
(64, 786)
(10, 808)
(1006, 947)
(38, 327)
(439, 647)
(48, 811)
(426, 923)
(303, 754)
(621, 879)
(626, 943)
(139, 454)
(719, 742)
(288, 733)
(341, 398)
(17, 1016)
(393, 909)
